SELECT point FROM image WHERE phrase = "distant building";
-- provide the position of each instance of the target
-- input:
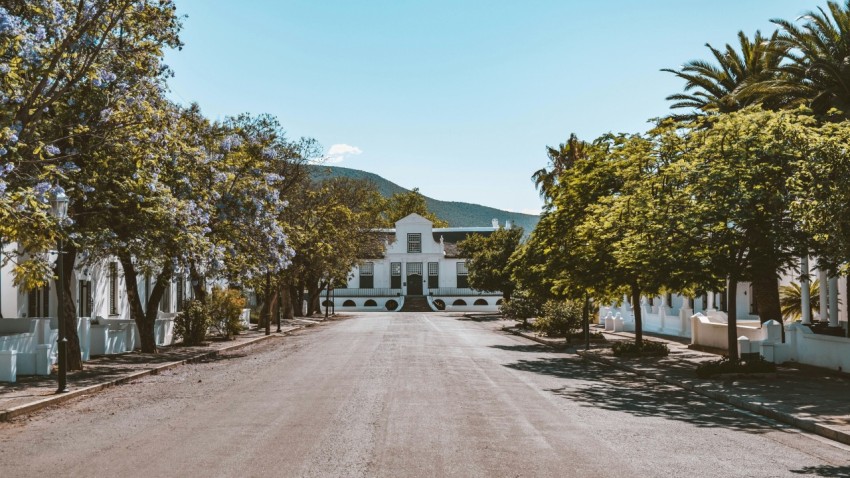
(421, 265)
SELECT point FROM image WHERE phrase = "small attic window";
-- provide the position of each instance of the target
(414, 243)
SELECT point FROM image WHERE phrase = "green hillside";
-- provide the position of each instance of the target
(455, 213)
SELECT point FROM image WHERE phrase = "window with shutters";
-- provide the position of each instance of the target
(38, 301)
(180, 294)
(113, 288)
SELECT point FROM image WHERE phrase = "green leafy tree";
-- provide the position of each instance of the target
(401, 205)
(488, 259)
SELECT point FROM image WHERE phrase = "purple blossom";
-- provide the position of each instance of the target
(70, 167)
(52, 150)
(4, 68)
(9, 24)
(41, 188)
(230, 142)
(3, 151)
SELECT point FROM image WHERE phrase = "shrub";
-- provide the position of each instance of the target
(646, 349)
(726, 365)
(225, 309)
(559, 319)
(520, 309)
(191, 325)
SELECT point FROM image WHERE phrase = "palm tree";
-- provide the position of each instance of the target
(818, 53)
(721, 86)
(789, 300)
(561, 159)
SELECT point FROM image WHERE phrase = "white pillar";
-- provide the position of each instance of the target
(824, 285)
(805, 291)
(833, 301)
(710, 305)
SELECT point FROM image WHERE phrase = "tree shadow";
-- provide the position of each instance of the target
(480, 318)
(540, 348)
(615, 390)
(824, 470)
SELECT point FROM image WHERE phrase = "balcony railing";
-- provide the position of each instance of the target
(461, 292)
(366, 292)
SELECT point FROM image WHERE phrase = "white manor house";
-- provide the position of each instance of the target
(419, 270)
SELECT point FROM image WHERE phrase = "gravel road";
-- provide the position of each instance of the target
(405, 395)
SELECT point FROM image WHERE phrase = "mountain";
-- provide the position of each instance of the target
(455, 213)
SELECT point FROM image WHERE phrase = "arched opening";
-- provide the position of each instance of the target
(391, 305)
(439, 304)
(500, 302)
(370, 303)
(459, 302)
(327, 303)
(480, 302)
(349, 303)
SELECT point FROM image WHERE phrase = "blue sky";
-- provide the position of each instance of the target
(458, 98)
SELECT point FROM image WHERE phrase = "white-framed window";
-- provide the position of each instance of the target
(462, 275)
(414, 242)
(395, 275)
(433, 275)
(367, 275)
(414, 268)
(113, 288)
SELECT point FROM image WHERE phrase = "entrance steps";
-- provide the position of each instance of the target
(416, 303)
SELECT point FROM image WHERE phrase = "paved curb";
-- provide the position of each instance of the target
(538, 339)
(801, 423)
(9, 413)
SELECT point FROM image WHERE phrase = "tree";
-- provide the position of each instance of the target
(401, 205)
(816, 71)
(331, 225)
(790, 296)
(488, 259)
(725, 86)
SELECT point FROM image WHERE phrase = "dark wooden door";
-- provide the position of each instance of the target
(414, 284)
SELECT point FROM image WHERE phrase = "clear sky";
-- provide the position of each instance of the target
(458, 98)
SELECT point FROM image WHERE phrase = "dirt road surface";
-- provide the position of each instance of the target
(397, 395)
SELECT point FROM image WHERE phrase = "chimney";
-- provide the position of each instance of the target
(508, 224)
(495, 223)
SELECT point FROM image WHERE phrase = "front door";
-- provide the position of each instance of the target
(414, 278)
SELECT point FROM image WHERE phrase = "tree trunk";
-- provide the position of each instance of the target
(298, 299)
(732, 318)
(145, 320)
(199, 283)
(638, 319)
(286, 302)
(69, 312)
(766, 289)
(585, 318)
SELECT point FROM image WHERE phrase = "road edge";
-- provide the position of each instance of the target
(10, 413)
(801, 423)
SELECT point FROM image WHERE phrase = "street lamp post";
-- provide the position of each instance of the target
(60, 212)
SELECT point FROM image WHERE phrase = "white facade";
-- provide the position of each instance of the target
(419, 260)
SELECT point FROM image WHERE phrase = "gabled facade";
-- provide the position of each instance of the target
(419, 261)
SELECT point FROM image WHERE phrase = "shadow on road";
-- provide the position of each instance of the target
(824, 470)
(539, 348)
(615, 390)
(480, 318)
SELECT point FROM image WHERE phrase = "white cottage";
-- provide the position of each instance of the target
(420, 270)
